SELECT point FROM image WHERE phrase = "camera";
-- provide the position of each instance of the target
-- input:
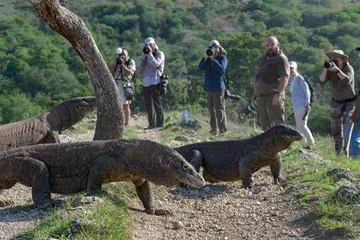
(230, 95)
(119, 60)
(357, 50)
(210, 51)
(163, 84)
(251, 107)
(329, 64)
(146, 49)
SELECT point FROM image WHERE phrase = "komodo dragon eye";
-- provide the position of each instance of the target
(186, 167)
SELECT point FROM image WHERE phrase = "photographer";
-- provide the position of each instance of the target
(123, 72)
(152, 65)
(214, 65)
(340, 74)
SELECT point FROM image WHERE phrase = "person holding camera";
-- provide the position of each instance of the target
(340, 74)
(300, 99)
(270, 83)
(123, 72)
(152, 65)
(214, 65)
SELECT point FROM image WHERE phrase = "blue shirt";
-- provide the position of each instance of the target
(300, 91)
(214, 73)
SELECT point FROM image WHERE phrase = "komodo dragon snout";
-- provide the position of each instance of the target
(285, 134)
(185, 172)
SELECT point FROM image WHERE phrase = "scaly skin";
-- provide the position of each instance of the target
(70, 168)
(238, 159)
(43, 128)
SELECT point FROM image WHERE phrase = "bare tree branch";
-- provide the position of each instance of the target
(110, 122)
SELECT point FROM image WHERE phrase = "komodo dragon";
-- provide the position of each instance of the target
(238, 159)
(43, 128)
(68, 168)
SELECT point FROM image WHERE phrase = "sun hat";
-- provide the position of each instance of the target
(149, 40)
(337, 53)
(214, 43)
(293, 64)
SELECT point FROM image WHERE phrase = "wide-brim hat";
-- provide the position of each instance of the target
(337, 53)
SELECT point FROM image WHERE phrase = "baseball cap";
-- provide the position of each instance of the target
(149, 40)
(119, 50)
(214, 43)
(293, 64)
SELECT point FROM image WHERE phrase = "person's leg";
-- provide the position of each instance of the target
(301, 124)
(337, 126)
(126, 108)
(349, 110)
(261, 110)
(149, 106)
(210, 105)
(159, 111)
(219, 106)
(276, 113)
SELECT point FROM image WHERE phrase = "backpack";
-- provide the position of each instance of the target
(311, 91)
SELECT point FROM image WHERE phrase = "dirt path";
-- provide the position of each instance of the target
(217, 211)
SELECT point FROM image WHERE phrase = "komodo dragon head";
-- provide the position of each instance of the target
(68, 113)
(165, 166)
(283, 136)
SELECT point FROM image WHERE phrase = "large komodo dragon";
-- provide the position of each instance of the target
(68, 168)
(43, 128)
(238, 159)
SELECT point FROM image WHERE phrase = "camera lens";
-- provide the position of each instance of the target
(357, 49)
(146, 50)
(329, 64)
(210, 52)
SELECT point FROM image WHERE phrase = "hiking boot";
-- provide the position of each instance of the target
(213, 132)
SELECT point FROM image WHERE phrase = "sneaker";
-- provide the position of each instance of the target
(149, 127)
(222, 131)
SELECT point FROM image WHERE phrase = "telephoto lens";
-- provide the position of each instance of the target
(119, 60)
(329, 64)
(210, 51)
(146, 50)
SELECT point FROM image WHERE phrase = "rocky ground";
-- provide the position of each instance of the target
(217, 211)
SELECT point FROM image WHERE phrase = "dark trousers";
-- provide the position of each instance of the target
(216, 107)
(340, 117)
(153, 106)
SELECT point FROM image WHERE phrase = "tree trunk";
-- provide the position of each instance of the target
(110, 121)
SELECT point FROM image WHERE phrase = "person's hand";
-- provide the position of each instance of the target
(334, 69)
(276, 100)
(308, 108)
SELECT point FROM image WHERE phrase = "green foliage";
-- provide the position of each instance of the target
(36, 60)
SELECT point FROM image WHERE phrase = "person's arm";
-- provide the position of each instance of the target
(129, 69)
(155, 62)
(306, 90)
(204, 63)
(322, 77)
(220, 64)
(346, 77)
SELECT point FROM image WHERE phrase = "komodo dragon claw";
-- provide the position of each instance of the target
(159, 212)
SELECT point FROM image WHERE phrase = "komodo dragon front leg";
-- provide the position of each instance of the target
(253, 161)
(34, 173)
(144, 192)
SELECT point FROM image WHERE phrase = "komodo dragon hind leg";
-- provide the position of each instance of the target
(276, 169)
(51, 137)
(195, 158)
(97, 175)
(144, 192)
(31, 171)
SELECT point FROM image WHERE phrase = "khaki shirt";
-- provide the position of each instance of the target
(270, 70)
(342, 89)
